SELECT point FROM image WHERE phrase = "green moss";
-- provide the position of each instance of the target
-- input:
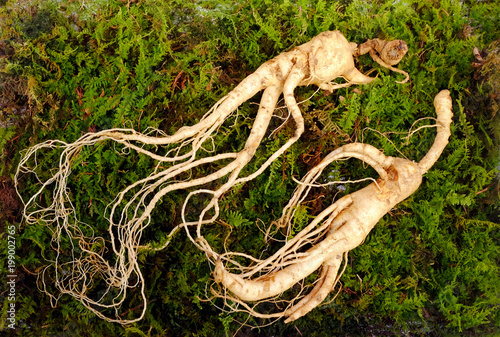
(430, 268)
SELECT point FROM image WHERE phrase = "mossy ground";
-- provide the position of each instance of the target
(430, 268)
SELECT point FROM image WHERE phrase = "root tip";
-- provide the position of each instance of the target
(219, 270)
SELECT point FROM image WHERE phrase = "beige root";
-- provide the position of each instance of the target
(340, 228)
(319, 61)
(385, 53)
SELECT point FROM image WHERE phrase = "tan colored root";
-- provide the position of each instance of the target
(442, 103)
(278, 266)
(338, 229)
(385, 65)
(319, 61)
(385, 53)
(390, 52)
(328, 279)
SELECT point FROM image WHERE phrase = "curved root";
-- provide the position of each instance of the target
(99, 271)
(340, 228)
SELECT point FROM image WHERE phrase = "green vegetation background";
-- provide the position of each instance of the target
(430, 268)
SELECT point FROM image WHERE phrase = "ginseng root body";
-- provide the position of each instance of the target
(319, 61)
(338, 229)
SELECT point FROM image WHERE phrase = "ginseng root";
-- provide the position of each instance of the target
(340, 228)
(319, 61)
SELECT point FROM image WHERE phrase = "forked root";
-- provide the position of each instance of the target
(326, 57)
(340, 228)
(327, 281)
